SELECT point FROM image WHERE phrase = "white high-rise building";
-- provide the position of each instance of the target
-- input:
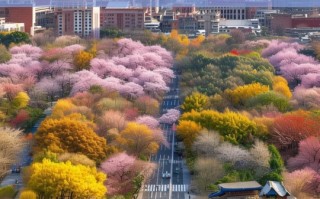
(77, 17)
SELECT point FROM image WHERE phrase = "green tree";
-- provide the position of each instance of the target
(4, 54)
(110, 33)
(275, 162)
(7, 192)
(276, 165)
(241, 94)
(269, 98)
(15, 37)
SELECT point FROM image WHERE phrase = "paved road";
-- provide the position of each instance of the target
(24, 159)
(177, 186)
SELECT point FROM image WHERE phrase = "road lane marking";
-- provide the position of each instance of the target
(176, 161)
(165, 188)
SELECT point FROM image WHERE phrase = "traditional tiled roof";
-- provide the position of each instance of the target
(274, 188)
(236, 187)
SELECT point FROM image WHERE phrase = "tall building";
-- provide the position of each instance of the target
(122, 15)
(77, 17)
(25, 14)
(45, 17)
(232, 3)
(125, 19)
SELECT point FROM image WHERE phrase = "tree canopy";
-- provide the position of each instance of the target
(71, 135)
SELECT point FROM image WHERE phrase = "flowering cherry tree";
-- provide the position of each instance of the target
(148, 120)
(308, 156)
(276, 46)
(33, 52)
(307, 97)
(170, 117)
(131, 90)
(121, 170)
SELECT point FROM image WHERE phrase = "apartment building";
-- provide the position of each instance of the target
(125, 19)
(45, 17)
(81, 21)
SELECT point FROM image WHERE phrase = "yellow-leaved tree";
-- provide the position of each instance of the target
(235, 127)
(21, 100)
(239, 95)
(82, 60)
(62, 106)
(64, 180)
(188, 131)
(28, 194)
(197, 41)
(137, 139)
(178, 43)
(280, 85)
(196, 101)
(72, 135)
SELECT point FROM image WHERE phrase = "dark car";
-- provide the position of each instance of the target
(16, 169)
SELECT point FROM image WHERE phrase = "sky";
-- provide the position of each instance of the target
(167, 3)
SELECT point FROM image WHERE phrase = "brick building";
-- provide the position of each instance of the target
(26, 15)
(279, 23)
(125, 19)
(184, 9)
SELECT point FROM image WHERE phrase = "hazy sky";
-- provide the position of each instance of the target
(202, 3)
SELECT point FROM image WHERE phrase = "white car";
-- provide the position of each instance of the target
(166, 175)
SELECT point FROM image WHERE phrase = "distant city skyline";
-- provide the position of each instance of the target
(164, 3)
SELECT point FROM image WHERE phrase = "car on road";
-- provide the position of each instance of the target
(177, 170)
(166, 175)
(16, 169)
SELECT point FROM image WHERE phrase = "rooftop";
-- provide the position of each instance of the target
(274, 188)
(240, 185)
(236, 187)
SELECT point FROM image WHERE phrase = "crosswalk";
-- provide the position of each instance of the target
(173, 102)
(165, 187)
(180, 187)
(175, 161)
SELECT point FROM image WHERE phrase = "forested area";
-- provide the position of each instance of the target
(250, 112)
(104, 124)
